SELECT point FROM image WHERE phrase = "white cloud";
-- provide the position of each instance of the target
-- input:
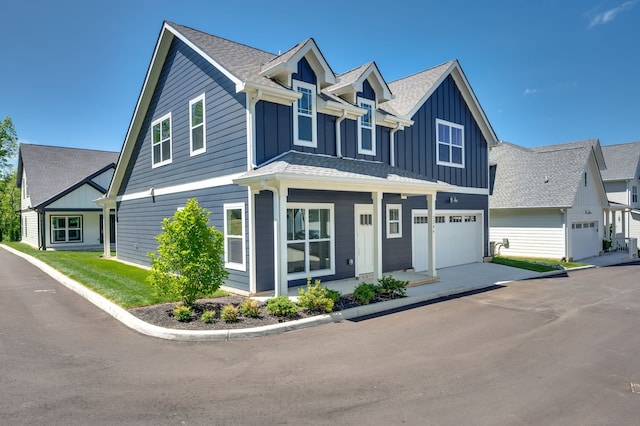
(528, 91)
(609, 15)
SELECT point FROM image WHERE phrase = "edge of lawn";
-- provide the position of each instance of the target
(536, 264)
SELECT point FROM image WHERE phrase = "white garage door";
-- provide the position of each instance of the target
(458, 239)
(584, 239)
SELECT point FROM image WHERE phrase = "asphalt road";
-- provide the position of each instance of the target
(550, 351)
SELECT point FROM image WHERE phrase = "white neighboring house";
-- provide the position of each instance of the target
(59, 187)
(548, 201)
(621, 181)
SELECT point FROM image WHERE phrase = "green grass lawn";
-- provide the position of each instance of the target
(534, 264)
(123, 284)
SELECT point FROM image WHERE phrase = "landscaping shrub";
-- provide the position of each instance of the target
(190, 262)
(392, 286)
(333, 294)
(250, 308)
(365, 292)
(229, 313)
(182, 313)
(316, 298)
(282, 306)
(208, 316)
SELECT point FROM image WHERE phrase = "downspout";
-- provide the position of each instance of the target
(43, 229)
(338, 138)
(392, 143)
(276, 234)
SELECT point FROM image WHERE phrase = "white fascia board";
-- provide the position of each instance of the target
(337, 108)
(209, 59)
(392, 121)
(272, 94)
(470, 190)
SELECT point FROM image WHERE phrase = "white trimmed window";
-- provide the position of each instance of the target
(66, 229)
(450, 146)
(161, 141)
(367, 128)
(310, 240)
(197, 123)
(304, 115)
(234, 241)
(394, 221)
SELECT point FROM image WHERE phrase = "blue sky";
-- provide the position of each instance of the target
(545, 71)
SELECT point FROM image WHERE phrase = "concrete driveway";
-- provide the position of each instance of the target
(546, 351)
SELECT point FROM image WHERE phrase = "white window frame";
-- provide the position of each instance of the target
(200, 98)
(634, 193)
(228, 264)
(66, 229)
(313, 143)
(320, 272)
(363, 103)
(153, 124)
(449, 144)
(390, 221)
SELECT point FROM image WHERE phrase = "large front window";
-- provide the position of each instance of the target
(367, 129)
(234, 251)
(310, 241)
(304, 115)
(66, 229)
(161, 141)
(450, 146)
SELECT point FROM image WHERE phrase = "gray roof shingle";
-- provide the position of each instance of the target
(622, 161)
(536, 178)
(51, 170)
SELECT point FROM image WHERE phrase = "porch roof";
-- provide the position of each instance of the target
(312, 171)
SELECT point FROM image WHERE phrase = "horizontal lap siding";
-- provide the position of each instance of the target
(30, 227)
(416, 145)
(538, 233)
(139, 222)
(185, 76)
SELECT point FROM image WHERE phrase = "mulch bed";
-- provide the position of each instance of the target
(162, 314)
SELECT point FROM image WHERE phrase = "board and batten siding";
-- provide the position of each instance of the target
(140, 220)
(81, 198)
(185, 76)
(531, 232)
(416, 145)
(617, 191)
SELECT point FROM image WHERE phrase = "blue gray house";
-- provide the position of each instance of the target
(308, 173)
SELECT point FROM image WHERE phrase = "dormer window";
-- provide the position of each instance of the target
(304, 115)
(367, 128)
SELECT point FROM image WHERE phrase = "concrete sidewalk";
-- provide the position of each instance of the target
(453, 280)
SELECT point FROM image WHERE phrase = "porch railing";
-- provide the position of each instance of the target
(628, 245)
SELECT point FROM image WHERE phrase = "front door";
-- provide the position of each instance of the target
(364, 238)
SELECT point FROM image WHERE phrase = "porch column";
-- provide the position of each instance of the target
(431, 236)
(623, 215)
(282, 283)
(607, 215)
(377, 234)
(106, 231)
(613, 224)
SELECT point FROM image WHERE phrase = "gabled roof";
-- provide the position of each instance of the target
(327, 170)
(589, 143)
(54, 170)
(286, 63)
(537, 178)
(352, 81)
(622, 161)
(412, 91)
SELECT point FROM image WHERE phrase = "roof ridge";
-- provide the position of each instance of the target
(423, 71)
(67, 147)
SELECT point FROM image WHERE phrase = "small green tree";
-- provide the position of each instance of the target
(189, 263)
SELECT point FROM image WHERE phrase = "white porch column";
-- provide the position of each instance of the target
(623, 215)
(431, 237)
(106, 231)
(282, 285)
(613, 224)
(377, 234)
(607, 215)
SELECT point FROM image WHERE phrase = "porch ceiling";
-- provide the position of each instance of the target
(312, 171)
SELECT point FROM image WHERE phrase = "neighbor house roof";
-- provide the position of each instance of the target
(622, 161)
(536, 178)
(327, 170)
(53, 170)
(589, 143)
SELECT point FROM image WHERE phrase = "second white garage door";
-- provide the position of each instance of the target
(585, 239)
(458, 238)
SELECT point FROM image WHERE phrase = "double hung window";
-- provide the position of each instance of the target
(161, 141)
(394, 221)
(310, 240)
(450, 144)
(197, 125)
(367, 128)
(304, 115)
(234, 241)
